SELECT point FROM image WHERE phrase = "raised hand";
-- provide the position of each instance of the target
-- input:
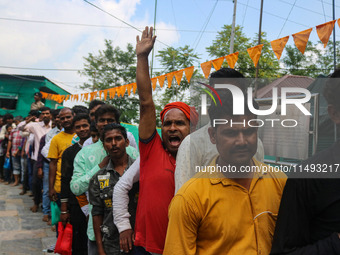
(145, 44)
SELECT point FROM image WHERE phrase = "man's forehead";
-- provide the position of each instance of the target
(114, 132)
(237, 122)
(174, 114)
(107, 114)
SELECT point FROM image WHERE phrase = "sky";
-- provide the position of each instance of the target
(50, 38)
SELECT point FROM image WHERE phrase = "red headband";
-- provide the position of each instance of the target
(189, 111)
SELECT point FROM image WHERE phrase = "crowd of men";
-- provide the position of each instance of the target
(124, 198)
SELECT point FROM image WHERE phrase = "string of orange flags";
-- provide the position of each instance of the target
(324, 32)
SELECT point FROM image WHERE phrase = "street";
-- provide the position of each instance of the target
(21, 231)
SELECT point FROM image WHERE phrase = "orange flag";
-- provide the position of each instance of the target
(189, 72)
(255, 53)
(44, 95)
(301, 39)
(100, 94)
(178, 76)
(123, 90)
(217, 63)
(112, 93)
(76, 97)
(128, 88)
(105, 93)
(324, 31)
(86, 96)
(206, 67)
(232, 59)
(169, 77)
(339, 22)
(134, 88)
(278, 46)
(161, 80)
(93, 95)
(154, 82)
(67, 97)
(119, 91)
(61, 99)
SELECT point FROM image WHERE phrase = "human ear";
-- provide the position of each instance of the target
(334, 114)
(212, 134)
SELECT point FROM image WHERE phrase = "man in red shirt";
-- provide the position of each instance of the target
(157, 156)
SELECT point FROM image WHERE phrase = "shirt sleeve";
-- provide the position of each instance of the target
(293, 225)
(53, 150)
(120, 197)
(45, 149)
(132, 140)
(3, 132)
(183, 164)
(40, 160)
(182, 228)
(94, 197)
(81, 177)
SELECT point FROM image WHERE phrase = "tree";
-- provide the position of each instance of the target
(173, 59)
(268, 63)
(314, 62)
(113, 67)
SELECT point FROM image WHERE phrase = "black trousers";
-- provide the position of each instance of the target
(36, 185)
(79, 224)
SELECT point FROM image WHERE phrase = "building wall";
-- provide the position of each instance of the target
(24, 90)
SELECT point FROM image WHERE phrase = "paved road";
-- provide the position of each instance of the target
(21, 231)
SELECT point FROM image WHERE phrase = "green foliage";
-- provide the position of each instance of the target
(173, 59)
(113, 67)
(268, 63)
(314, 62)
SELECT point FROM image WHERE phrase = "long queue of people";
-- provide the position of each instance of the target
(126, 199)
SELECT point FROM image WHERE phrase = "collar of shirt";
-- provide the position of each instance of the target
(41, 123)
(219, 177)
(110, 167)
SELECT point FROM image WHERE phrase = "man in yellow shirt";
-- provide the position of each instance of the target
(229, 207)
(59, 143)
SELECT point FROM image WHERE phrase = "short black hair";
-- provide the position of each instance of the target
(94, 103)
(34, 113)
(80, 109)
(81, 116)
(230, 73)
(55, 113)
(19, 118)
(219, 111)
(67, 108)
(38, 94)
(44, 108)
(7, 116)
(113, 126)
(332, 89)
(106, 108)
(93, 127)
(8, 126)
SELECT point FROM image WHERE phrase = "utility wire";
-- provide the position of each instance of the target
(205, 26)
(323, 9)
(113, 16)
(291, 9)
(100, 26)
(41, 69)
(309, 10)
(245, 12)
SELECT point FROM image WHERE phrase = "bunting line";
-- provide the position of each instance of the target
(301, 38)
